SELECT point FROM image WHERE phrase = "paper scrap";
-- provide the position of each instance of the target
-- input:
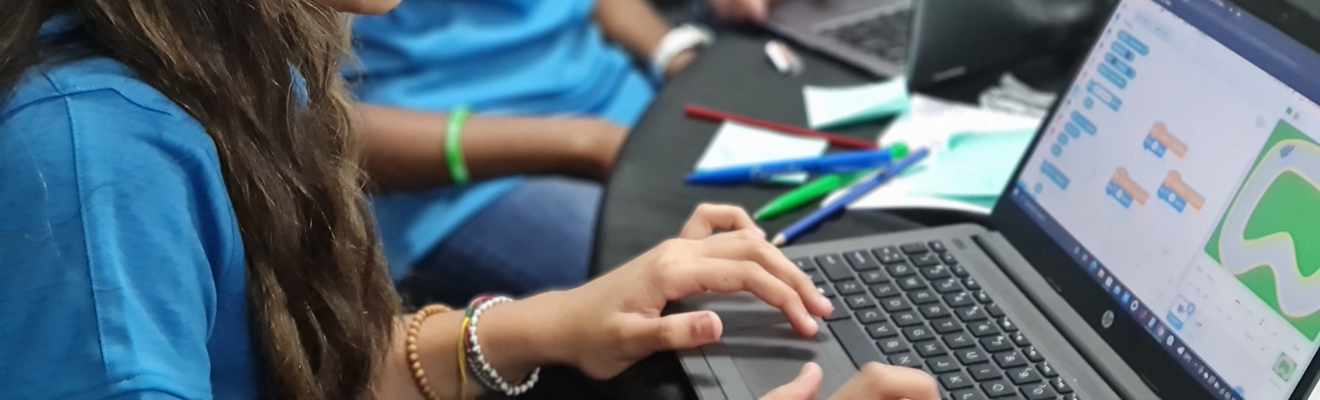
(974, 165)
(837, 106)
(932, 122)
(737, 144)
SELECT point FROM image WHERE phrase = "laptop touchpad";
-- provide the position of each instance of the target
(772, 355)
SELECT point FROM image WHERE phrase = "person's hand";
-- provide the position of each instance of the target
(614, 321)
(743, 10)
(875, 382)
(596, 146)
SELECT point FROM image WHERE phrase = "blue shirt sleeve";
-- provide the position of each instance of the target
(114, 230)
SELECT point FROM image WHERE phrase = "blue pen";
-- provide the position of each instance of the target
(832, 164)
(861, 189)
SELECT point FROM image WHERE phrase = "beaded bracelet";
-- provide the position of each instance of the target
(476, 359)
(414, 360)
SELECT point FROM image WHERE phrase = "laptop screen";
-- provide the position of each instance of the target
(1182, 172)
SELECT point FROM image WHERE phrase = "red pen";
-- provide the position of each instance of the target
(837, 140)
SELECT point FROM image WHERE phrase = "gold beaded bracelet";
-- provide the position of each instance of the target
(415, 361)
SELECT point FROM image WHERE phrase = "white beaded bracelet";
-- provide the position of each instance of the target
(477, 364)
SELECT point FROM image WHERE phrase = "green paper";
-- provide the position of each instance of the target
(974, 165)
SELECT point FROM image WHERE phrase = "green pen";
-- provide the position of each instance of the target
(808, 193)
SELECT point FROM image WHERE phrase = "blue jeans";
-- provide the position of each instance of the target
(536, 238)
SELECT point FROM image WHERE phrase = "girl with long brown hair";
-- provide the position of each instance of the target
(183, 217)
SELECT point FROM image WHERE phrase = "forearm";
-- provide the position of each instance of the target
(513, 336)
(405, 150)
(633, 24)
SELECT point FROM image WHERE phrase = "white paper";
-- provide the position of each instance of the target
(931, 122)
(737, 144)
(834, 106)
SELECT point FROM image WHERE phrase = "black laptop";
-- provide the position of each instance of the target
(1161, 239)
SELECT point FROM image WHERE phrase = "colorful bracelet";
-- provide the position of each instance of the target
(415, 360)
(458, 171)
(476, 358)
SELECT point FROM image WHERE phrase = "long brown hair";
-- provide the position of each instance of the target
(321, 305)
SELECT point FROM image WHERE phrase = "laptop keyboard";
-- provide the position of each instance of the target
(915, 306)
(884, 36)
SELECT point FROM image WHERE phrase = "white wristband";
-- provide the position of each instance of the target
(675, 42)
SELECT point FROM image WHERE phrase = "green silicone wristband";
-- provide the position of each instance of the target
(454, 145)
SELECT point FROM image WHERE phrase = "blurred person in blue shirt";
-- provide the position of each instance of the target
(555, 86)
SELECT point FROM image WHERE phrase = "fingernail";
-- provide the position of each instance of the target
(701, 329)
(824, 302)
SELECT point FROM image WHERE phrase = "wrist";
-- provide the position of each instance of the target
(594, 146)
(519, 336)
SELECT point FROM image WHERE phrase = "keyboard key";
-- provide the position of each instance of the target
(938, 246)
(900, 270)
(895, 304)
(925, 260)
(983, 328)
(994, 310)
(935, 272)
(931, 349)
(840, 310)
(883, 330)
(891, 258)
(855, 343)
(1060, 385)
(923, 296)
(958, 271)
(1072, 396)
(862, 260)
(997, 388)
(948, 258)
(825, 290)
(1047, 370)
(1032, 354)
(1040, 391)
(1009, 359)
(971, 283)
(968, 394)
(834, 267)
(893, 345)
(816, 277)
(883, 251)
(970, 314)
(959, 299)
(1023, 376)
(942, 364)
(971, 356)
(805, 264)
(918, 333)
(945, 326)
(906, 318)
(905, 360)
(849, 287)
(884, 290)
(1020, 339)
(912, 282)
(955, 380)
(982, 297)
(959, 340)
(932, 311)
(985, 372)
(997, 343)
(949, 285)
(870, 316)
(860, 301)
(1007, 324)
(874, 277)
(914, 248)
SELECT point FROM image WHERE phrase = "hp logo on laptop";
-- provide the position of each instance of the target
(1107, 319)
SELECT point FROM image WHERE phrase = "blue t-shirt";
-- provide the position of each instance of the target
(121, 265)
(504, 57)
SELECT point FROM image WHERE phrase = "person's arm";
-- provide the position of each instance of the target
(405, 150)
(635, 25)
